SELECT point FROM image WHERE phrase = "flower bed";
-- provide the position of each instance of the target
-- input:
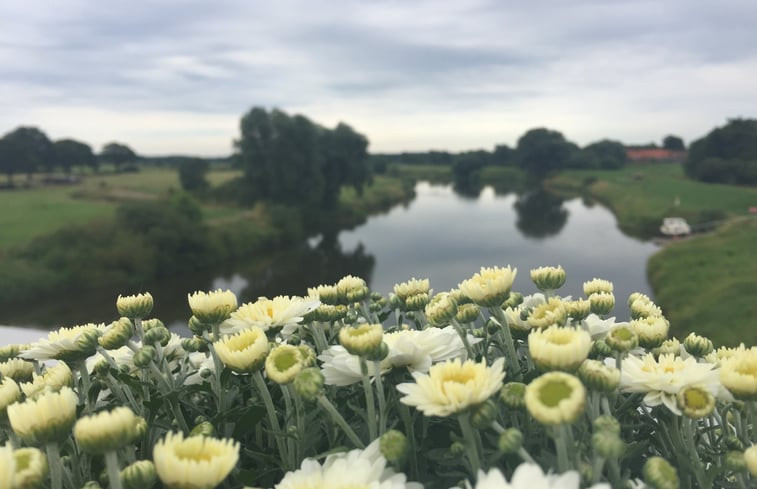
(477, 387)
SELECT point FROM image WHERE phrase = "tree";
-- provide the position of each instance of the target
(542, 151)
(673, 143)
(503, 155)
(28, 148)
(290, 160)
(605, 154)
(70, 153)
(117, 154)
(192, 174)
(9, 164)
(727, 154)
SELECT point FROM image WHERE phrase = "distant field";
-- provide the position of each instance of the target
(641, 195)
(28, 213)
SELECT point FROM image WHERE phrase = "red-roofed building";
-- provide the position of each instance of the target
(636, 155)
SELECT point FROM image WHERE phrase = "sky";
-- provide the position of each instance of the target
(175, 76)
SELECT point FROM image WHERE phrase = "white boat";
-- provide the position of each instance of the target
(675, 226)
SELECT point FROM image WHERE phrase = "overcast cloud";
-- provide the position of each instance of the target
(174, 76)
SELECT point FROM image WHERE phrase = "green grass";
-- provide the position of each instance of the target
(707, 284)
(32, 212)
(641, 195)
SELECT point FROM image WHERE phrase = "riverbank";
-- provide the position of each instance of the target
(140, 236)
(704, 284)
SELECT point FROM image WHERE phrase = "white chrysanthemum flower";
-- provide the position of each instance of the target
(452, 386)
(202, 365)
(661, 379)
(355, 469)
(489, 287)
(31, 468)
(559, 348)
(280, 312)
(7, 467)
(720, 354)
(47, 418)
(412, 287)
(738, 373)
(18, 369)
(416, 350)
(212, 307)
(197, 462)
(53, 378)
(106, 431)
(76, 343)
(244, 351)
(530, 476)
(9, 393)
(598, 327)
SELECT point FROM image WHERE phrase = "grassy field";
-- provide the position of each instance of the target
(705, 283)
(31, 212)
(641, 195)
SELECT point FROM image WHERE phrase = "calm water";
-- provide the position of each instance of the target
(439, 235)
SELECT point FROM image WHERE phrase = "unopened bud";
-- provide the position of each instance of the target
(607, 423)
(144, 356)
(148, 324)
(194, 344)
(457, 449)
(197, 326)
(579, 309)
(697, 346)
(134, 306)
(119, 333)
(157, 335)
(31, 468)
(467, 313)
(734, 460)
(659, 474)
(483, 415)
(204, 428)
(513, 395)
(607, 444)
(602, 303)
(139, 475)
(622, 338)
(695, 402)
(308, 384)
(394, 447)
(548, 278)
(510, 440)
(598, 376)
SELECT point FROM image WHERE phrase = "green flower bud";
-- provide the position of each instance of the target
(376, 297)
(194, 344)
(483, 415)
(467, 313)
(441, 310)
(697, 346)
(579, 309)
(139, 475)
(204, 428)
(308, 384)
(105, 431)
(31, 468)
(327, 294)
(513, 395)
(622, 338)
(376, 306)
(659, 474)
(478, 333)
(395, 302)
(363, 339)
(84, 346)
(139, 429)
(734, 460)
(394, 447)
(732, 442)
(352, 289)
(308, 356)
(599, 377)
(602, 303)
(457, 449)
(117, 335)
(652, 331)
(607, 423)
(510, 440)
(607, 444)
(695, 402)
(134, 306)
(144, 356)
(513, 300)
(600, 349)
(669, 346)
(148, 324)
(596, 286)
(198, 327)
(157, 335)
(548, 278)
(379, 353)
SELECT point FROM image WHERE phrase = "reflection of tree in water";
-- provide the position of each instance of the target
(540, 214)
(295, 270)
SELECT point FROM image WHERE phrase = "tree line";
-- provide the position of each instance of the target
(726, 154)
(28, 150)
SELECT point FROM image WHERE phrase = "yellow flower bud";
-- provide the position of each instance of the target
(598, 376)
(139, 475)
(559, 348)
(467, 313)
(309, 384)
(490, 287)
(351, 289)
(9, 393)
(750, 458)
(361, 340)
(105, 431)
(212, 307)
(198, 462)
(622, 338)
(695, 402)
(31, 468)
(245, 351)
(327, 294)
(652, 331)
(283, 364)
(48, 418)
(117, 335)
(552, 312)
(555, 398)
(441, 310)
(548, 278)
(394, 447)
(134, 306)
(659, 474)
(578, 309)
(597, 285)
(17, 369)
(602, 303)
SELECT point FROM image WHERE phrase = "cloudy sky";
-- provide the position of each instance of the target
(174, 76)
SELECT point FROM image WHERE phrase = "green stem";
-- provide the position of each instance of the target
(407, 420)
(257, 378)
(381, 398)
(291, 442)
(56, 467)
(339, 420)
(138, 328)
(512, 354)
(464, 338)
(369, 400)
(472, 446)
(85, 385)
(114, 476)
(561, 444)
(300, 412)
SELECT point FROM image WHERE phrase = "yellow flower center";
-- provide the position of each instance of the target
(459, 376)
(696, 398)
(553, 392)
(284, 360)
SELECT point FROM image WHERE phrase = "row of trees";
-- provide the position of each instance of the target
(727, 154)
(28, 150)
(293, 161)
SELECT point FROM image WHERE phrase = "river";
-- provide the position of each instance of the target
(440, 235)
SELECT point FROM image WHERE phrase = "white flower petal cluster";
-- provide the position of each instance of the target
(598, 327)
(60, 342)
(280, 312)
(355, 469)
(661, 379)
(515, 315)
(530, 476)
(416, 350)
(199, 462)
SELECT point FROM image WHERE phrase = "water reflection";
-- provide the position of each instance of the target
(540, 214)
(440, 235)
